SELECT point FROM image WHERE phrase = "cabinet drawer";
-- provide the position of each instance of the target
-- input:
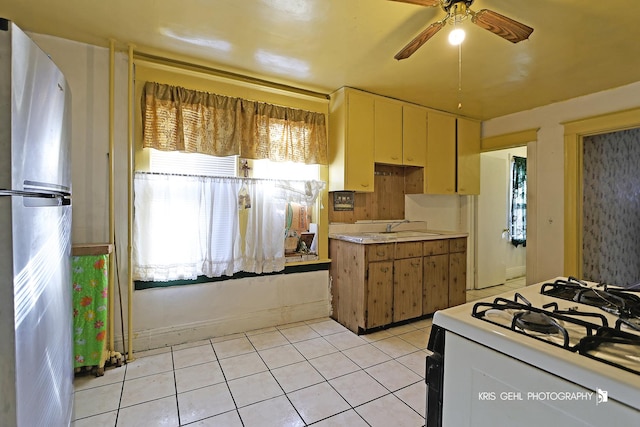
(435, 247)
(380, 252)
(408, 250)
(458, 245)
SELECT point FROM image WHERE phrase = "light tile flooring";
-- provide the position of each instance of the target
(307, 373)
(509, 285)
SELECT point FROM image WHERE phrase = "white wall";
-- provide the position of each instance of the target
(162, 316)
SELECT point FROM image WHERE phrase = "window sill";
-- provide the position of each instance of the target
(290, 268)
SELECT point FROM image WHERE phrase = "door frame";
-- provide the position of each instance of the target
(574, 134)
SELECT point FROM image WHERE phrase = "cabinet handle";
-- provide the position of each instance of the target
(380, 254)
(410, 159)
(415, 263)
(394, 158)
(384, 269)
(364, 185)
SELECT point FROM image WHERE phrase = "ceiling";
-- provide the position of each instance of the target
(578, 46)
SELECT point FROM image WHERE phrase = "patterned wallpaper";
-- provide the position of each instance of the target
(611, 214)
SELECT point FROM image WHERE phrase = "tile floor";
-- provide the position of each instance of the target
(308, 373)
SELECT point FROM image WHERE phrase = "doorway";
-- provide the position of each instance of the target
(498, 258)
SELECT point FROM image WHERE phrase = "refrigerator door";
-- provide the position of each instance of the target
(43, 314)
(40, 232)
(40, 102)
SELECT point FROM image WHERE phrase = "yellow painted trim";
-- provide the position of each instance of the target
(508, 140)
(154, 61)
(574, 134)
(112, 263)
(130, 170)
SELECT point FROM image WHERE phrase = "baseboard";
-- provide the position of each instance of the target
(518, 271)
(242, 322)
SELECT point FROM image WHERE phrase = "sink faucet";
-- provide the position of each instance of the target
(392, 225)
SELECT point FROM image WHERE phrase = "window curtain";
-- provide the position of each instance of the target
(190, 226)
(179, 119)
(518, 226)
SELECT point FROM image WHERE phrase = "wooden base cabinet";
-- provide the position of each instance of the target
(445, 274)
(379, 294)
(457, 271)
(379, 284)
(407, 289)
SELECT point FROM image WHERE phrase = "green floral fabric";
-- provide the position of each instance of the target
(90, 290)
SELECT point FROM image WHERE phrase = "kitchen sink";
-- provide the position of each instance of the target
(384, 236)
(400, 234)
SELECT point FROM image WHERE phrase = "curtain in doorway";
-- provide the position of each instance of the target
(518, 218)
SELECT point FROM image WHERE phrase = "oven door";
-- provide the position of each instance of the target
(434, 376)
(483, 387)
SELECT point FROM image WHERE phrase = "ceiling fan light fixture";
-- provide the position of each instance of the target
(456, 36)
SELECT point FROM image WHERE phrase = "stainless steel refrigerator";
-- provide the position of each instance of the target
(36, 348)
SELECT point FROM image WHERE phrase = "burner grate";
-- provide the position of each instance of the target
(539, 323)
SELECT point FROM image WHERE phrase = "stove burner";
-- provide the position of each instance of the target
(614, 347)
(589, 297)
(621, 302)
(536, 322)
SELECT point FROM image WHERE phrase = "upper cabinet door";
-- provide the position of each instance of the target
(440, 172)
(414, 135)
(351, 147)
(359, 142)
(468, 156)
(388, 131)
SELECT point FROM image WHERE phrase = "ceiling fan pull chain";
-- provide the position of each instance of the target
(460, 76)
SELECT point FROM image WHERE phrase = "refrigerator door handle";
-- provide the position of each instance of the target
(21, 193)
(33, 199)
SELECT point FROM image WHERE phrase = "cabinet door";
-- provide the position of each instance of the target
(440, 171)
(435, 294)
(435, 247)
(408, 250)
(457, 278)
(379, 294)
(388, 131)
(414, 135)
(468, 156)
(407, 289)
(359, 142)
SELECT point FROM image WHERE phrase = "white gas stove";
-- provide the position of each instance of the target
(562, 350)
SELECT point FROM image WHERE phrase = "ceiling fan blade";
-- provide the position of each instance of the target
(506, 28)
(419, 40)
(429, 3)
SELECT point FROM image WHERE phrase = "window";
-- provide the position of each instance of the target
(518, 201)
(196, 214)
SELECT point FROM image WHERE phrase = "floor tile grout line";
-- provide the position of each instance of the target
(175, 386)
(278, 382)
(305, 358)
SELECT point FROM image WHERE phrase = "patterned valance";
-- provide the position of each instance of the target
(179, 119)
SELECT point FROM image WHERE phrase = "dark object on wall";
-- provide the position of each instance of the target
(343, 200)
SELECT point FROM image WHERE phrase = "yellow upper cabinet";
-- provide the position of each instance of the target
(414, 135)
(440, 171)
(453, 155)
(388, 131)
(351, 141)
(468, 156)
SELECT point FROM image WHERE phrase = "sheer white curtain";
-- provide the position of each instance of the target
(189, 226)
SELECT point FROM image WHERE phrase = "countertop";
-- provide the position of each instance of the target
(369, 237)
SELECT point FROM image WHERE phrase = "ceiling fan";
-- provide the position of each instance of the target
(459, 10)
